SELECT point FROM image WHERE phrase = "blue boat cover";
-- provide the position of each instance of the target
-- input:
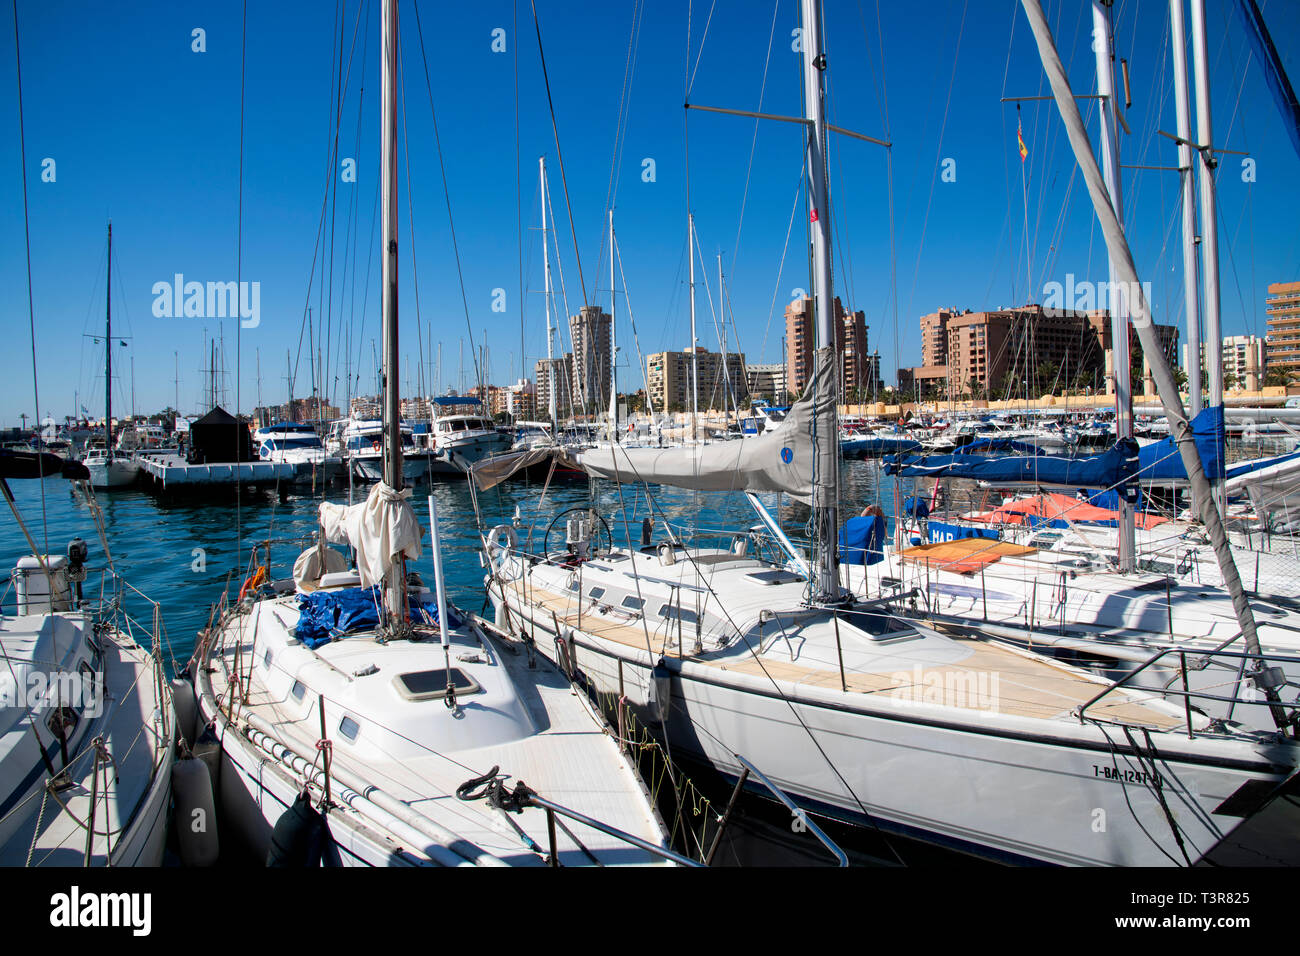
(943, 531)
(862, 540)
(456, 400)
(1106, 470)
(1160, 461)
(1246, 467)
(981, 445)
(916, 507)
(327, 615)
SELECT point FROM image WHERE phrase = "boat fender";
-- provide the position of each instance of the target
(208, 749)
(301, 837)
(667, 557)
(564, 653)
(659, 698)
(194, 812)
(187, 706)
(501, 540)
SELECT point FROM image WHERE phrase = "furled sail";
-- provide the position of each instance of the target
(779, 460)
(1160, 461)
(379, 528)
(1106, 470)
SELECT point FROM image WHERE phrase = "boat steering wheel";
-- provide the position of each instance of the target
(609, 537)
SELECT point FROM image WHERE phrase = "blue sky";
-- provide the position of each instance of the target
(146, 131)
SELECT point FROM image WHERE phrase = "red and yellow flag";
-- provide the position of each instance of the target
(1024, 150)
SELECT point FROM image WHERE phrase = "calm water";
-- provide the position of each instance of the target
(181, 554)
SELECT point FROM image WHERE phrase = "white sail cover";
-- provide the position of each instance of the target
(380, 528)
(779, 460)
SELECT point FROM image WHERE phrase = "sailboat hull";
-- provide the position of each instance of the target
(117, 473)
(1006, 788)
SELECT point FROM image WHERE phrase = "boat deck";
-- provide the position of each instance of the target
(989, 676)
(570, 759)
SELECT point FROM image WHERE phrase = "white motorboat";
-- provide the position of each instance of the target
(363, 444)
(298, 444)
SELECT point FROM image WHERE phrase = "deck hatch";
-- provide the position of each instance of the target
(774, 577)
(432, 684)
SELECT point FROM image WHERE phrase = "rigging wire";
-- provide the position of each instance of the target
(559, 154)
(27, 245)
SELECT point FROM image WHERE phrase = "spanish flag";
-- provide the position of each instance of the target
(1024, 150)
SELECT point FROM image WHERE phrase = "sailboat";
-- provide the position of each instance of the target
(751, 653)
(108, 467)
(397, 729)
(1057, 578)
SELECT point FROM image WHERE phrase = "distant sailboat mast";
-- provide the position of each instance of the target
(546, 298)
(1119, 318)
(613, 344)
(108, 351)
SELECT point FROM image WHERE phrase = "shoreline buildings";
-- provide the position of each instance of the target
(1027, 350)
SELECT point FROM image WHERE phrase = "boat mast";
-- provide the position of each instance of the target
(546, 297)
(1191, 300)
(1179, 428)
(108, 351)
(613, 345)
(695, 358)
(1119, 306)
(392, 418)
(825, 581)
(1210, 227)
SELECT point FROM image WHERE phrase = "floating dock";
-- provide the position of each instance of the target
(169, 474)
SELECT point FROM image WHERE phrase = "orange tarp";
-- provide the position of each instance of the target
(963, 555)
(1050, 507)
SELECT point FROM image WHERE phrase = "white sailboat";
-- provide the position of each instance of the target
(423, 737)
(86, 749)
(752, 654)
(109, 468)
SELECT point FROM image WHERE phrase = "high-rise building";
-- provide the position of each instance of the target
(1012, 352)
(1243, 362)
(589, 331)
(850, 346)
(722, 383)
(767, 381)
(1283, 308)
(563, 378)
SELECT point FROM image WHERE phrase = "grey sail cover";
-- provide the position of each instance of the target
(779, 460)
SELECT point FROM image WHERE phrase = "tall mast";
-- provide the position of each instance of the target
(825, 583)
(392, 388)
(613, 345)
(546, 297)
(108, 350)
(1209, 225)
(1179, 428)
(695, 359)
(722, 342)
(1191, 299)
(1119, 306)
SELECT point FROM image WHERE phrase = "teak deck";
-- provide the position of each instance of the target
(1017, 684)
